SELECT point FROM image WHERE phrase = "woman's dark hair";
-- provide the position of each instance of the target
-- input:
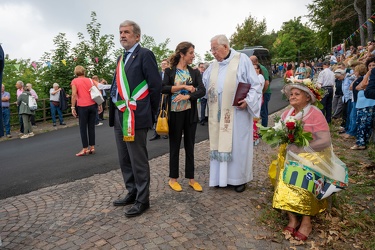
(289, 67)
(183, 48)
(260, 69)
(370, 60)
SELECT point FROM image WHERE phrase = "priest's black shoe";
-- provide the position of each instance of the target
(129, 199)
(137, 209)
(240, 188)
(154, 137)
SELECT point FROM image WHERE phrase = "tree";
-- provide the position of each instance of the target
(342, 17)
(286, 49)
(161, 51)
(296, 39)
(95, 54)
(249, 33)
(208, 57)
(361, 19)
(59, 62)
(368, 16)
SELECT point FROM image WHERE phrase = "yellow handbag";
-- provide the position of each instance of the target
(162, 127)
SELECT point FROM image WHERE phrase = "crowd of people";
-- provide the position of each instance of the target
(346, 79)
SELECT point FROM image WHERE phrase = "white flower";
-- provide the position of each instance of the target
(290, 119)
(278, 126)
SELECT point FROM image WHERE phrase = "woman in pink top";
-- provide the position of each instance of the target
(86, 109)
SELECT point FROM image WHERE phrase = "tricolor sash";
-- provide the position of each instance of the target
(128, 103)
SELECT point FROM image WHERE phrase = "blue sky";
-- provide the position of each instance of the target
(27, 28)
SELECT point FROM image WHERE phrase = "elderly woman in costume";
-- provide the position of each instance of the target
(184, 86)
(231, 127)
(306, 175)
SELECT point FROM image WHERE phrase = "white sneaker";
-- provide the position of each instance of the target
(99, 124)
(25, 136)
(31, 134)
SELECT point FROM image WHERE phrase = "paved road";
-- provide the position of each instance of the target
(49, 158)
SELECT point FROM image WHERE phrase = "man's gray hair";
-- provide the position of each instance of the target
(55, 84)
(136, 28)
(20, 83)
(29, 85)
(221, 39)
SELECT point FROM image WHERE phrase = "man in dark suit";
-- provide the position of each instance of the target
(135, 94)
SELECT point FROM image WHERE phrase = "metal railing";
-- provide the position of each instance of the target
(43, 113)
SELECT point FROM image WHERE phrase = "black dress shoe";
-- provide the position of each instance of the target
(137, 209)
(155, 137)
(240, 188)
(129, 199)
(202, 123)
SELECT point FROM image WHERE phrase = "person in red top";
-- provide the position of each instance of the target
(289, 71)
(86, 109)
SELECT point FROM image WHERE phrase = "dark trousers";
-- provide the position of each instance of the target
(32, 119)
(180, 122)
(20, 120)
(101, 115)
(264, 109)
(133, 158)
(203, 109)
(86, 117)
(327, 104)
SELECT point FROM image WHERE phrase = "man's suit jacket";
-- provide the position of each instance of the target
(168, 82)
(141, 66)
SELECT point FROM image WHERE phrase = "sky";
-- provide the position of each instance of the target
(27, 27)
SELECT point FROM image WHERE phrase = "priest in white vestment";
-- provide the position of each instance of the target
(231, 127)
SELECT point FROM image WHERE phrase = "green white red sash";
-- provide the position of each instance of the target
(128, 103)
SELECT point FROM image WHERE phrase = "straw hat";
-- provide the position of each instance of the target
(315, 92)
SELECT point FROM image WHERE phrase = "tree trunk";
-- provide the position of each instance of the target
(361, 21)
(370, 36)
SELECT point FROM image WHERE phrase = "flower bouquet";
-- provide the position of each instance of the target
(290, 131)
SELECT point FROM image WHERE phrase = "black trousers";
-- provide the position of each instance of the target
(179, 122)
(86, 117)
(133, 159)
(327, 104)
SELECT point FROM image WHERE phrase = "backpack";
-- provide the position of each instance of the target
(32, 103)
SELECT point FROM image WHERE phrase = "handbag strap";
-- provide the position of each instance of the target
(162, 110)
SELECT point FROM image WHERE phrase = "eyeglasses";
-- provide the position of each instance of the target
(214, 49)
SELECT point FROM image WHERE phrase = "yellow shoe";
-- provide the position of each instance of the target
(175, 186)
(196, 186)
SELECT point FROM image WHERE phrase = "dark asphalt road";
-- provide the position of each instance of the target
(49, 158)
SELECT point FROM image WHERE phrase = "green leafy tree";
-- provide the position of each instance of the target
(208, 57)
(161, 50)
(249, 33)
(95, 54)
(299, 36)
(59, 64)
(285, 48)
(342, 17)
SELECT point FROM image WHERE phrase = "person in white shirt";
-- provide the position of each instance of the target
(326, 79)
(231, 128)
